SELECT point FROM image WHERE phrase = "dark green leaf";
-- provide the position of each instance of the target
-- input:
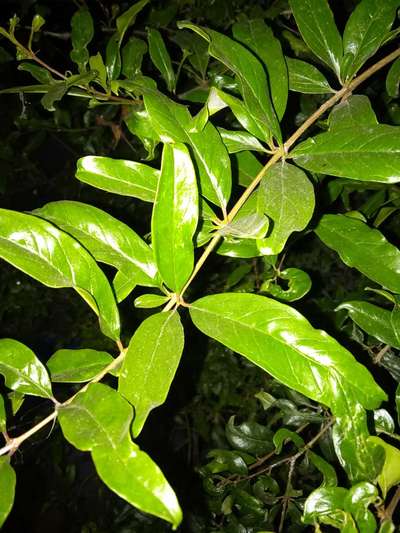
(305, 78)
(327, 470)
(7, 488)
(132, 57)
(77, 366)
(195, 46)
(249, 437)
(81, 35)
(283, 435)
(227, 460)
(54, 94)
(358, 246)
(113, 57)
(299, 284)
(161, 58)
(128, 18)
(354, 112)
(96, 63)
(40, 74)
(150, 364)
(393, 79)
(139, 124)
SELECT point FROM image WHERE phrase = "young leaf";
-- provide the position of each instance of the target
(161, 58)
(372, 319)
(22, 370)
(175, 216)
(305, 359)
(305, 78)
(358, 246)
(96, 63)
(81, 35)
(57, 260)
(257, 36)
(3, 415)
(369, 154)
(278, 197)
(150, 364)
(77, 366)
(150, 301)
(107, 239)
(7, 488)
(365, 31)
(317, 27)
(132, 57)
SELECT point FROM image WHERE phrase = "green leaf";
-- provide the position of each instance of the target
(383, 422)
(132, 57)
(149, 301)
(7, 488)
(390, 474)
(81, 35)
(128, 18)
(139, 124)
(358, 246)
(370, 154)
(161, 58)
(227, 461)
(40, 74)
(107, 239)
(372, 319)
(3, 415)
(123, 285)
(96, 63)
(305, 78)
(113, 58)
(317, 27)
(57, 260)
(196, 48)
(259, 38)
(299, 284)
(357, 501)
(325, 505)
(22, 370)
(239, 141)
(365, 32)
(305, 359)
(55, 93)
(77, 366)
(119, 176)
(283, 435)
(175, 216)
(98, 420)
(278, 197)
(354, 112)
(250, 74)
(247, 166)
(249, 437)
(236, 247)
(327, 470)
(393, 79)
(150, 364)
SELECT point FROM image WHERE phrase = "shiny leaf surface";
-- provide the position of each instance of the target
(390, 475)
(149, 301)
(299, 284)
(249, 437)
(161, 58)
(7, 488)
(305, 78)
(239, 141)
(77, 366)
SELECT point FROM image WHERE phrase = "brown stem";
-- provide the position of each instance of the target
(390, 509)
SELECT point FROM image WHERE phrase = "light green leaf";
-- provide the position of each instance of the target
(398, 403)
(358, 246)
(286, 195)
(257, 36)
(123, 285)
(22, 370)
(150, 364)
(248, 223)
(161, 58)
(239, 141)
(317, 26)
(365, 31)
(390, 474)
(305, 78)
(393, 79)
(119, 176)
(150, 301)
(325, 505)
(107, 239)
(175, 216)
(128, 18)
(7, 488)
(375, 320)
(303, 358)
(248, 166)
(236, 247)
(369, 154)
(82, 33)
(357, 501)
(57, 260)
(383, 422)
(3, 415)
(354, 112)
(77, 366)
(96, 63)
(132, 57)
(250, 74)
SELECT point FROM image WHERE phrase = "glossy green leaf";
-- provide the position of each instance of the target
(393, 79)
(107, 239)
(54, 94)
(196, 48)
(96, 63)
(123, 285)
(175, 216)
(248, 223)
(98, 420)
(132, 57)
(373, 154)
(305, 78)
(239, 141)
(358, 246)
(128, 17)
(247, 166)
(173, 123)
(161, 58)
(375, 320)
(7, 488)
(227, 460)
(327, 470)
(82, 33)
(299, 284)
(249, 437)
(150, 364)
(138, 122)
(251, 76)
(357, 501)
(39, 73)
(259, 38)
(3, 415)
(390, 475)
(57, 260)
(119, 176)
(113, 57)
(387, 526)
(278, 197)
(16, 400)
(395, 322)
(383, 422)
(283, 435)
(317, 27)
(238, 247)
(149, 301)
(305, 359)
(354, 112)
(365, 32)
(77, 366)
(22, 370)
(325, 505)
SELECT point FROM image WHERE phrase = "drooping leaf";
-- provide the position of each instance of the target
(107, 239)
(161, 58)
(257, 36)
(57, 260)
(113, 57)
(40, 74)
(375, 320)
(132, 57)
(139, 124)
(315, 21)
(286, 195)
(358, 246)
(327, 470)
(305, 78)
(369, 154)
(22, 370)
(365, 31)
(150, 364)
(283, 435)
(304, 358)
(175, 216)
(77, 366)
(7, 488)
(82, 33)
